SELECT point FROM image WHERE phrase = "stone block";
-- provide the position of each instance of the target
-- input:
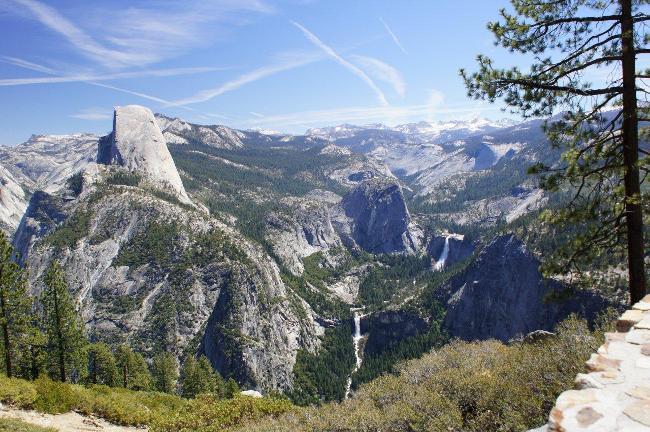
(628, 319)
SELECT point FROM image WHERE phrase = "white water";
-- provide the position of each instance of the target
(356, 339)
(440, 264)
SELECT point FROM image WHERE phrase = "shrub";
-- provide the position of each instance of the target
(17, 392)
(55, 397)
(469, 386)
(209, 414)
(11, 425)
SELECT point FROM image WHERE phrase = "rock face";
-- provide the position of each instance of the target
(13, 202)
(307, 229)
(459, 248)
(503, 295)
(42, 215)
(177, 131)
(379, 219)
(46, 162)
(137, 144)
(388, 328)
(147, 272)
(150, 271)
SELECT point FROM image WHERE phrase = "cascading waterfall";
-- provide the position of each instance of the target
(440, 263)
(356, 339)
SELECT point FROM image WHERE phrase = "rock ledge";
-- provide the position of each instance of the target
(615, 393)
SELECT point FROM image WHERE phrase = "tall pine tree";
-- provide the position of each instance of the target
(198, 376)
(102, 368)
(164, 372)
(15, 309)
(65, 336)
(584, 64)
(133, 372)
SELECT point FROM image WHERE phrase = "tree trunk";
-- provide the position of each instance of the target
(93, 364)
(633, 211)
(5, 327)
(59, 333)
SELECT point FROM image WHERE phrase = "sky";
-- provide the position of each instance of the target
(285, 65)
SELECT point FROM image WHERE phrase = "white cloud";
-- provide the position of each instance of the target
(138, 36)
(289, 62)
(27, 65)
(93, 114)
(383, 72)
(352, 68)
(40, 68)
(131, 92)
(393, 36)
(101, 77)
(51, 18)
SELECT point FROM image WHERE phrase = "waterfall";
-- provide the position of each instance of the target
(440, 264)
(356, 340)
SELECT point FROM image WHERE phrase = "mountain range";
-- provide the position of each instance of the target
(256, 247)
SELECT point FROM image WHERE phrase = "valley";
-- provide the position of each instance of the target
(302, 264)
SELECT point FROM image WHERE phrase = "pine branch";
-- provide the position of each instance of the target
(586, 65)
(550, 87)
(577, 20)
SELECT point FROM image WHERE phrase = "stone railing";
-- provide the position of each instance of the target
(615, 393)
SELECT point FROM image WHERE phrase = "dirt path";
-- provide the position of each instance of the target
(68, 422)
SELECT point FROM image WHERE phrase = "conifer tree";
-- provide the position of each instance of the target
(164, 372)
(102, 368)
(198, 376)
(231, 389)
(34, 358)
(133, 372)
(66, 358)
(15, 309)
(583, 55)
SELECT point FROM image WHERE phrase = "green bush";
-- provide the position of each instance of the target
(463, 386)
(124, 178)
(208, 414)
(55, 397)
(160, 411)
(11, 425)
(17, 392)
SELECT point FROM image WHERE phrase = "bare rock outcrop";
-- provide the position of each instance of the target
(503, 295)
(13, 201)
(137, 144)
(375, 217)
(614, 394)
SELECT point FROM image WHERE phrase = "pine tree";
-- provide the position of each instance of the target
(584, 64)
(164, 372)
(198, 376)
(231, 389)
(66, 359)
(102, 368)
(133, 372)
(15, 309)
(34, 359)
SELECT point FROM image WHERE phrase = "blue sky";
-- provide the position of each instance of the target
(286, 65)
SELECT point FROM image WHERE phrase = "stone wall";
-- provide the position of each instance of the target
(614, 394)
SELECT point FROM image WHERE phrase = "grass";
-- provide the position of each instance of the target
(161, 412)
(483, 386)
(11, 425)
